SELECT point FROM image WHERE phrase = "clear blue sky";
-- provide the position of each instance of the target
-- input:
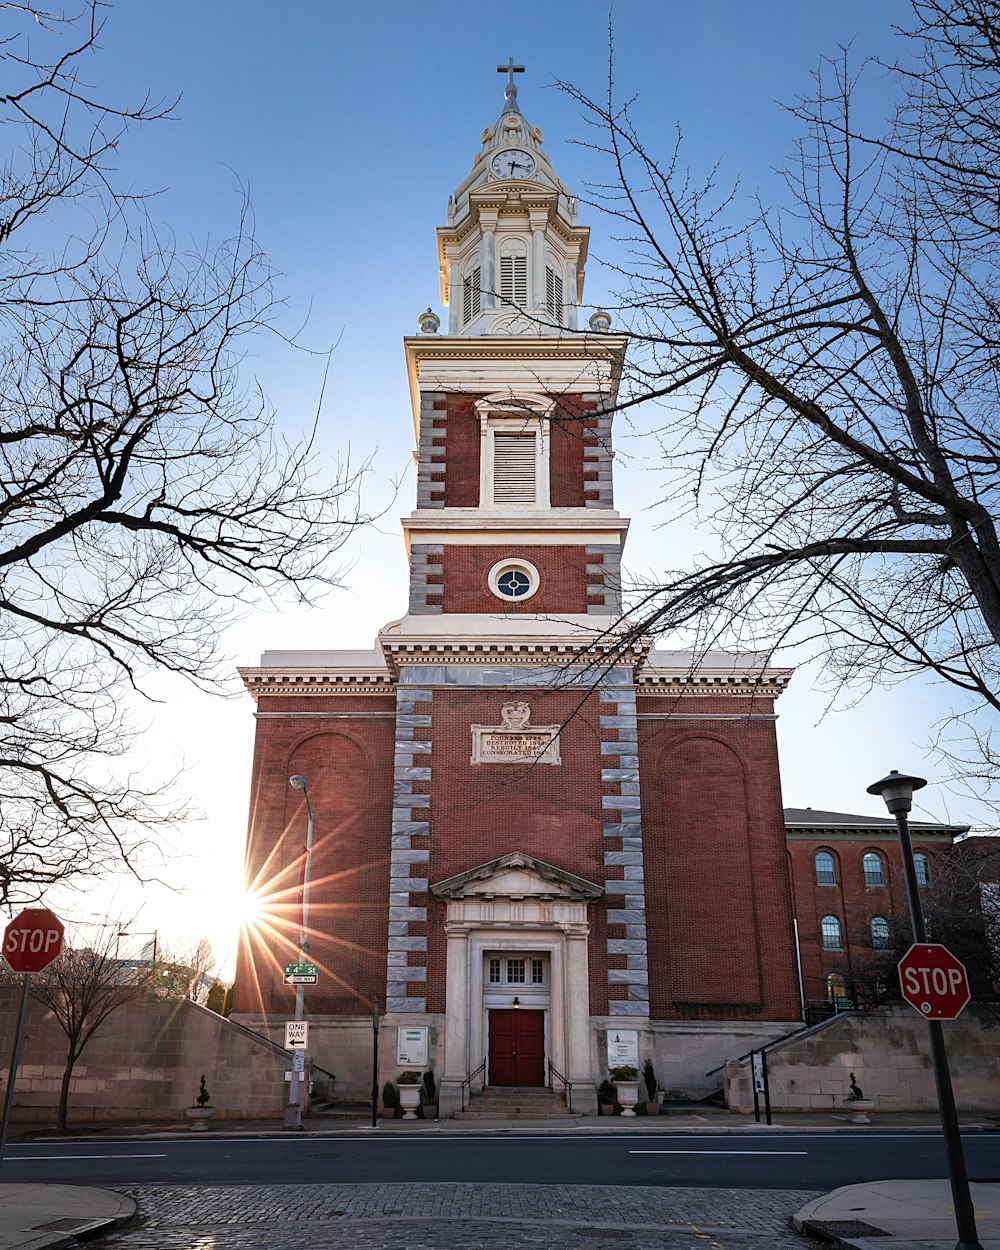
(350, 124)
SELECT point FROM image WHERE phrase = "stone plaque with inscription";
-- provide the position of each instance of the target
(516, 741)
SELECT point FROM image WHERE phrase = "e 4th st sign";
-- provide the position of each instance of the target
(32, 940)
(934, 981)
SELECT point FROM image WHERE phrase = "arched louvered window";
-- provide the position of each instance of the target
(874, 869)
(922, 864)
(826, 869)
(472, 295)
(880, 933)
(830, 930)
(554, 295)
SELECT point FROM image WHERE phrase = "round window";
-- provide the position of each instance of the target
(513, 579)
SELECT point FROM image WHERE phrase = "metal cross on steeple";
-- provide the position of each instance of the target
(510, 90)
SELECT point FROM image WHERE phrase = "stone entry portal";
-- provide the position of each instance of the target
(516, 1047)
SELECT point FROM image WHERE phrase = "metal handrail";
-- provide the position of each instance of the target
(568, 1084)
(469, 1079)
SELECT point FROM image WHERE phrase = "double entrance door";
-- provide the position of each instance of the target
(517, 1047)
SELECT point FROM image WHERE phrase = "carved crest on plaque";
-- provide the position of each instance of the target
(515, 715)
(516, 741)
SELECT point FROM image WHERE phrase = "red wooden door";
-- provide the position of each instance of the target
(517, 1047)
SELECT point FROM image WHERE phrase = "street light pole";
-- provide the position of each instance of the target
(293, 1112)
(897, 791)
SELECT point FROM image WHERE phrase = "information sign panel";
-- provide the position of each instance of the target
(412, 1048)
(623, 1048)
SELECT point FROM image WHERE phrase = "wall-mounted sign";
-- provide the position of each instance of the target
(623, 1048)
(516, 741)
(411, 1051)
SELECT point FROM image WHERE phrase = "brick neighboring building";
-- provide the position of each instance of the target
(530, 839)
(849, 896)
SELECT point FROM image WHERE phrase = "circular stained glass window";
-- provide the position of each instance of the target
(513, 579)
(514, 583)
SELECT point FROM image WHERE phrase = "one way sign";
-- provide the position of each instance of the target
(296, 1035)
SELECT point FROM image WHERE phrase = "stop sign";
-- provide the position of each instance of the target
(32, 940)
(934, 981)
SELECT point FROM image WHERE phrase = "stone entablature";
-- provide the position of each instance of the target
(485, 364)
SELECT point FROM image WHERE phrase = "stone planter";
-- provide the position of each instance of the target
(628, 1096)
(409, 1100)
(606, 1108)
(652, 1108)
(860, 1109)
(199, 1117)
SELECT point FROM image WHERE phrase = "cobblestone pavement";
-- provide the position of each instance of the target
(461, 1217)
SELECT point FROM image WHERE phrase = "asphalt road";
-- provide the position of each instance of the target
(758, 1161)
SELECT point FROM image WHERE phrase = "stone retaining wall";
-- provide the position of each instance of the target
(889, 1053)
(144, 1063)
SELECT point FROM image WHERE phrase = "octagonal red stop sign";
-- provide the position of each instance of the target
(934, 981)
(32, 939)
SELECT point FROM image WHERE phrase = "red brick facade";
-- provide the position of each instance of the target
(850, 951)
(562, 572)
(720, 916)
(349, 765)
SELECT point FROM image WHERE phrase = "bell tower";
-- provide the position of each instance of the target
(512, 407)
(512, 255)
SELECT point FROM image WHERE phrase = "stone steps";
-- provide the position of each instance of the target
(503, 1102)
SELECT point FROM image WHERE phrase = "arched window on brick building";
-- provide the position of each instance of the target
(836, 989)
(880, 933)
(922, 864)
(826, 869)
(830, 929)
(874, 868)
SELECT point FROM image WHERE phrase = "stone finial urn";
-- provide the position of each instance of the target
(409, 1085)
(626, 1082)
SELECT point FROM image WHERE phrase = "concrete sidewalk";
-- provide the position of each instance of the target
(906, 1215)
(43, 1217)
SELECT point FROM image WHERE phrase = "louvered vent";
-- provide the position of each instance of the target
(472, 295)
(513, 468)
(554, 295)
(514, 280)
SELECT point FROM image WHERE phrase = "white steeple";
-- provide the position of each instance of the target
(512, 255)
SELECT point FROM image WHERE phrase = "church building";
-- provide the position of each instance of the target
(538, 847)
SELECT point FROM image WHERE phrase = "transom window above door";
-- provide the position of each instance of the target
(516, 970)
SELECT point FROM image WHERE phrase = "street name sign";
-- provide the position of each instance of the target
(934, 981)
(296, 1034)
(32, 940)
(301, 974)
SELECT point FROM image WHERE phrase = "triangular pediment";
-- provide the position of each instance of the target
(517, 875)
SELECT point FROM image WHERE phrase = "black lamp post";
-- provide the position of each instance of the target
(897, 791)
(293, 1111)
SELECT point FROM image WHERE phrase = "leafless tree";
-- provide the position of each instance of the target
(822, 372)
(185, 972)
(144, 493)
(82, 987)
(961, 906)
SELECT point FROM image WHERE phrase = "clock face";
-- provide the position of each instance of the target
(513, 163)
